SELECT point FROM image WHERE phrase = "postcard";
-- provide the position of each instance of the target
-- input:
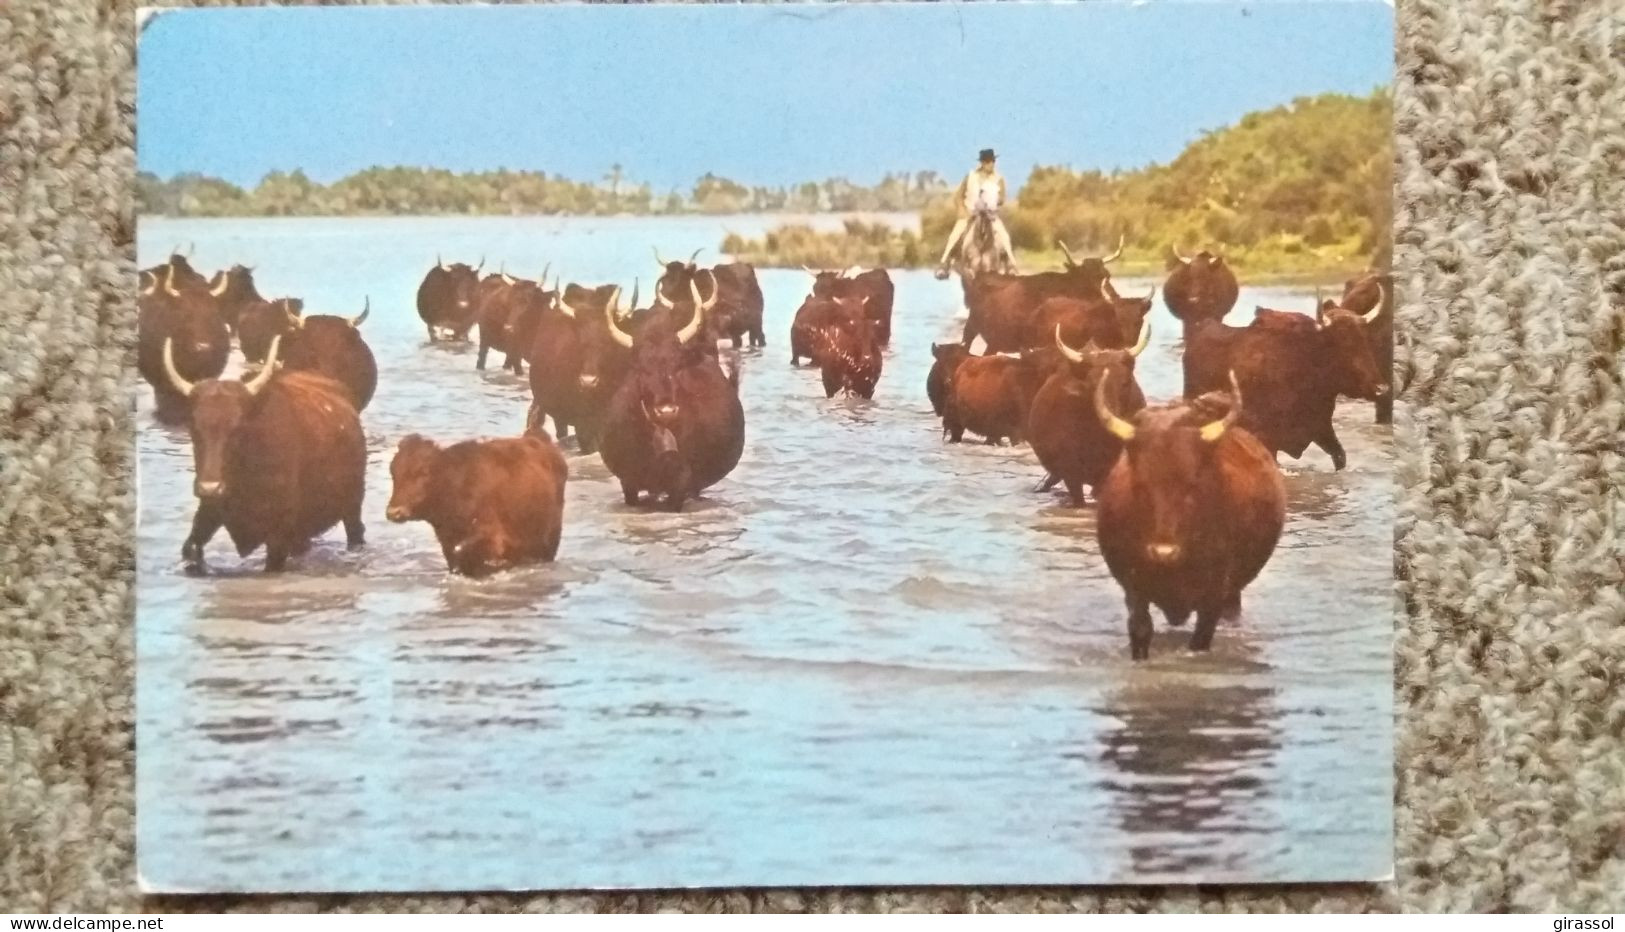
(651, 446)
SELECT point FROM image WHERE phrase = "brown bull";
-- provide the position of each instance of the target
(815, 315)
(1070, 442)
(1108, 325)
(874, 287)
(177, 271)
(1199, 288)
(675, 425)
(493, 504)
(947, 358)
(234, 292)
(1188, 515)
(332, 346)
(731, 287)
(279, 460)
(992, 396)
(577, 360)
(1291, 368)
(187, 318)
(262, 321)
(446, 299)
(847, 349)
(1001, 307)
(1375, 291)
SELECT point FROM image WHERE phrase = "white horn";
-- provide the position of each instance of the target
(1121, 239)
(365, 310)
(1071, 354)
(693, 327)
(1118, 427)
(1175, 251)
(225, 282)
(1370, 317)
(266, 371)
(620, 336)
(1144, 341)
(1066, 252)
(180, 384)
(660, 295)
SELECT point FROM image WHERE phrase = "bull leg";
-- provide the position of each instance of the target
(205, 522)
(971, 331)
(1385, 409)
(1333, 447)
(1206, 620)
(738, 339)
(832, 382)
(1074, 488)
(276, 557)
(355, 533)
(432, 337)
(479, 361)
(560, 428)
(757, 337)
(629, 492)
(1139, 628)
(1232, 608)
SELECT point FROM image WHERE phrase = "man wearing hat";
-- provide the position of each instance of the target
(982, 189)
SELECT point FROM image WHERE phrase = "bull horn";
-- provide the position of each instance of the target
(1370, 317)
(1152, 296)
(716, 291)
(439, 263)
(266, 371)
(294, 320)
(174, 251)
(636, 285)
(1071, 354)
(810, 272)
(506, 278)
(365, 310)
(852, 271)
(147, 289)
(1118, 427)
(1066, 252)
(1144, 341)
(181, 385)
(693, 326)
(169, 282)
(564, 306)
(1175, 251)
(543, 280)
(658, 261)
(220, 289)
(1104, 294)
(695, 255)
(1213, 430)
(191, 247)
(1317, 302)
(660, 295)
(481, 265)
(616, 333)
(1121, 239)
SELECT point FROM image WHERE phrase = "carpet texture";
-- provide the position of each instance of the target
(1510, 604)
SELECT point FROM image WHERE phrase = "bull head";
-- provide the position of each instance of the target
(1077, 356)
(1368, 318)
(357, 320)
(187, 388)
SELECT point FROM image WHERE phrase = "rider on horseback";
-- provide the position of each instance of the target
(981, 193)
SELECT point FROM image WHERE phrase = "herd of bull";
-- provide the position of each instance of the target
(1190, 500)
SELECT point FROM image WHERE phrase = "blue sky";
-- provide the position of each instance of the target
(765, 94)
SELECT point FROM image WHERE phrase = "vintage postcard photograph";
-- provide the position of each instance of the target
(665, 446)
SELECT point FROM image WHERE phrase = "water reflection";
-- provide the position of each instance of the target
(1192, 765)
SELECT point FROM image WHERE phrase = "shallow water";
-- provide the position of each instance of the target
(865, 657)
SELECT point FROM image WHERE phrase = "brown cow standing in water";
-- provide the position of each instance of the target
(234, 292)
(675, 425)
(1200, 288)
(332, 346)
(186, 317)
(847, 349)
(261, 321)
(1000, 307)
(874, 287)
(492, 504)
(948, 358)
(1107, 323)
(731, 287)
(577, 360)
(279, 459)
(1189, 514)
(992, 396)
(446, 299)
(1375, 291)
(1070, 442)
(1292, 368)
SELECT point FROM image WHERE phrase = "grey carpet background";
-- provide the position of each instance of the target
(1510, 603)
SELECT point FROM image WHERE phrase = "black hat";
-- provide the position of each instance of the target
(986, 156)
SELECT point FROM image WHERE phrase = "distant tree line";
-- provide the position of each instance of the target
(409, 191)
(1300, 187)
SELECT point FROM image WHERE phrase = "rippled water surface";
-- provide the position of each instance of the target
(864, 657)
